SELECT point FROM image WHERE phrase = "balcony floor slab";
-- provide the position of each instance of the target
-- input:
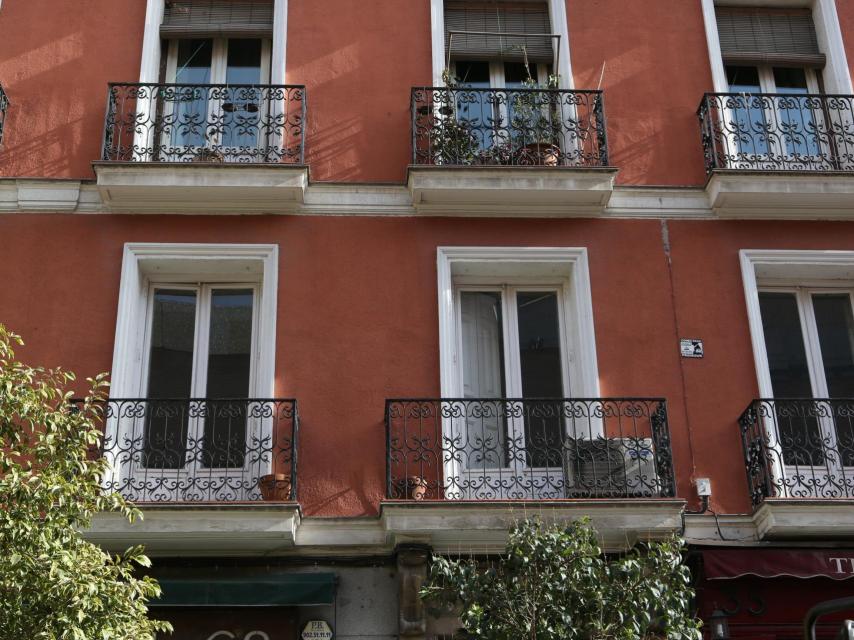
(511, 191)
(482, 527)
(201, 529)
(735, 193)
(781, 518)
(186, 187)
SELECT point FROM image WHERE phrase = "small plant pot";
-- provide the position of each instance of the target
(208, 155)
(416, 487)
(541, 154)
(275, 487)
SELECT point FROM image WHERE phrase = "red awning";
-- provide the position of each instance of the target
(723, 564)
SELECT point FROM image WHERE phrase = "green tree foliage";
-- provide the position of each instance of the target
(54, 584)
(555, 583)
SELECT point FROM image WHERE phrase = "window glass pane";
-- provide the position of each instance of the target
(475, 113)
(229, 360)
(790, 80)
(244, 61)
(173, 329)
(798, 116)
(790, 378)
(170, 375)
(242, 107)
(188, 111)
(540, 364)
(483, 377)
(472, 74)
(743, 79)
(194, 61)
(746, 118)
(835, 326)
(784, 343)
(515, 74)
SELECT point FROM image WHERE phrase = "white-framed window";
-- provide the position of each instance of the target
(516, 330)
(836, 77)
(801, 313)
(229, 118)
(559, 274)
(787, 125)
(442, 57)
(195, 344)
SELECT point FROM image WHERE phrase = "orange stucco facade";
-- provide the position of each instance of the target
(357, 305)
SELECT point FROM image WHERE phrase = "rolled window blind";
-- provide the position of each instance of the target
(498, 17)
(768, 36)
(214, 18)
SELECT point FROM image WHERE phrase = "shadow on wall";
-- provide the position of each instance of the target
(49, 154)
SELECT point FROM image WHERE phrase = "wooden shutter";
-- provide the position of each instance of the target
(768, 36)
(498, 17)
(214, 18)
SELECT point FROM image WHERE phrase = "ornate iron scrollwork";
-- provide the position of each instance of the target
(460, 126)
(205, 123)
(517, 449)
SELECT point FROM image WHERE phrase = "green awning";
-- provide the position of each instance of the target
(266, 590)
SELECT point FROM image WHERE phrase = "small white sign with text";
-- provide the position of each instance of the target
(316, 630)
(691, 347)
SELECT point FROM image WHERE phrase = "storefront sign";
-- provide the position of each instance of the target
(316, 630)
(230, 623)
(837, 564)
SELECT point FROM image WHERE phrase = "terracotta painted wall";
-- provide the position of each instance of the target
(56, 59)
(656, 71)
(359, 61)
(710, 304)
(344, 344)
(845, 11)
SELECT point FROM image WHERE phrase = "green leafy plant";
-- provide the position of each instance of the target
(54, 585)
(536, 121)
(555, 583)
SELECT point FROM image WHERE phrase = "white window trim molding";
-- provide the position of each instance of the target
(165, 262)
(581, 338)
(837, 77)
(149, 68)
(751, 260)
(560, 26)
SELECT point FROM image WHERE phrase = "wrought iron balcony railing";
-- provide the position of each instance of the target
(777, 132)
(527, 449)
(4, 104)
(224, 123)
(201, 450)
(799, 448)
(461, 126)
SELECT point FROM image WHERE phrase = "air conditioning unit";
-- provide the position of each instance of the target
(610, 468)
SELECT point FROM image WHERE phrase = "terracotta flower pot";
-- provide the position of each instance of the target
(275, 487)
(417, 487)
(541, 154)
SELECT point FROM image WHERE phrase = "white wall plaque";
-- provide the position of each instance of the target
(691, 348)
(316, 630)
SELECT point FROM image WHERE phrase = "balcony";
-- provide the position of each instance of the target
(778, 154)
(4, 104)
(487, 151)
(462, 466)
(204, 471)
(229, 148)
(799, 457)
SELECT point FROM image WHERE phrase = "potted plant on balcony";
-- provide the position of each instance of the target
(275, 487)
(535, 124)
(207, 154)
(452, 139)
